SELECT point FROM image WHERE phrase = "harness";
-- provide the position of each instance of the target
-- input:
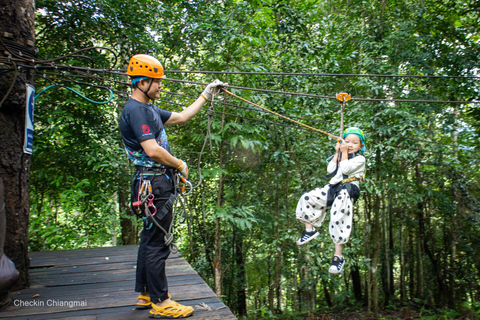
(146, 209)
(352, 190)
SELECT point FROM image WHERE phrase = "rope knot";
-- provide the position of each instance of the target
(168, 238)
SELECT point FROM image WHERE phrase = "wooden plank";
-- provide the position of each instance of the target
(105, 269)
(85, 289)
(85, 253)
(46, 305)
(41, 259)
(83, 285)
(129, 312)
(75, 261)
(107, 265)
(101, 277)
(82, 268)
(117, 250)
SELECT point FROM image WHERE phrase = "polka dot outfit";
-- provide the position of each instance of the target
(312, 208)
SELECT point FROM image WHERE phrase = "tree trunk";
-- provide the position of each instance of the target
(217, 260)
(241, 280)
(368, 231)
(376, 235)
(356, 282)
(375, 256)
(385, 252)
(402, 265)
(420, 269)
(17, 27)
(129, 231)
(274, 288)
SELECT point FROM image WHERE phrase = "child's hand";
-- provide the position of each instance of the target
(337, 147)
(344, 148)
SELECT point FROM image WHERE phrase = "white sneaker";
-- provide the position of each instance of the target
(337, 265)
(307, 236)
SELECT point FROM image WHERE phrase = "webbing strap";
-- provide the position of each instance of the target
(353, 179)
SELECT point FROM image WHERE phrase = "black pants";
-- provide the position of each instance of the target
(153, 253)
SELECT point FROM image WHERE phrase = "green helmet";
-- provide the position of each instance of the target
(358, 132)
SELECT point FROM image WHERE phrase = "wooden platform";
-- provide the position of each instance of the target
(87, 284)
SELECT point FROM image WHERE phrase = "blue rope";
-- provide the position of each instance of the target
(77, 93)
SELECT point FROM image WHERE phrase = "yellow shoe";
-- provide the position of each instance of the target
(172, 310)
(146, 305)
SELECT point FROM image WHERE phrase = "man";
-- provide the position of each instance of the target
(146, 143)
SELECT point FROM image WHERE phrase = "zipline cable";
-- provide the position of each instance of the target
(327, 97)
(324, 74)
(69, 68)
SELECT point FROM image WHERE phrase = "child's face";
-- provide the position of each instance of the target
(353, 142)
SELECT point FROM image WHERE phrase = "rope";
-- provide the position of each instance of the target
(282, 116)
(208, 136)
(77, 93)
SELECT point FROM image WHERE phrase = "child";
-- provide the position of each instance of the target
(340, 194)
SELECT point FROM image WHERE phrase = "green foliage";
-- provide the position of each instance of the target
(416, 223)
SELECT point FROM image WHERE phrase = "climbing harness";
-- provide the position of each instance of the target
(338, 139)
(77, 93)
(145, 198)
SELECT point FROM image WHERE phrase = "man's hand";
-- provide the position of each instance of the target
(183, 168)
(214, 86)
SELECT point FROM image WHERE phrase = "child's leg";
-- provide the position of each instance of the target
(341, 218)
(338, 250)
(311, 209)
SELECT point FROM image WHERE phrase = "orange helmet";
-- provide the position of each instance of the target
(145, 65)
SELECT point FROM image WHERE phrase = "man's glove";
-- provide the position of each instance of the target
(183, 168)
(208, 92)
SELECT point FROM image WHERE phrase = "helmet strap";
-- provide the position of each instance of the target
(145, 92)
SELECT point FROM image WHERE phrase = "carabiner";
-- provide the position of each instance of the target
(150, 204)
(185, 182)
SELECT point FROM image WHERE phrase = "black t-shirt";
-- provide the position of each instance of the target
(140, 121)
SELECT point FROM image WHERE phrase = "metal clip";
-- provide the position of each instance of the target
(185, 182)
(150, 204)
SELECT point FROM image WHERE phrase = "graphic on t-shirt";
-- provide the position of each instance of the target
(146, 129)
